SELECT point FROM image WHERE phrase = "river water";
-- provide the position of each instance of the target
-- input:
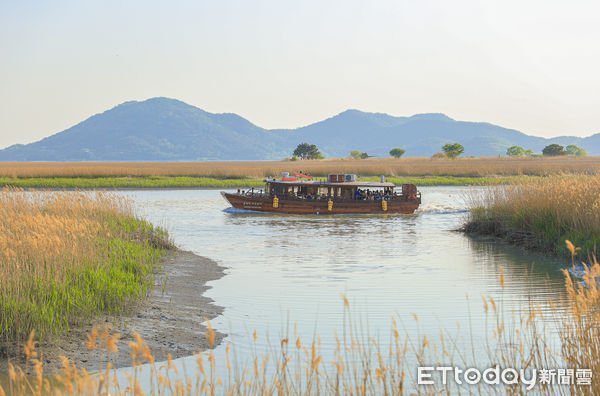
(291, 270)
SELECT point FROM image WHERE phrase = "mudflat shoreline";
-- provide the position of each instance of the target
(170, 320)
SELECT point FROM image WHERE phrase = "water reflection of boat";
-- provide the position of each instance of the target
(339, 194)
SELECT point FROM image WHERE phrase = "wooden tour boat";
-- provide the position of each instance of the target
(340, 194)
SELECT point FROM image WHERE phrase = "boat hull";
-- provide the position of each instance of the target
(319, 207)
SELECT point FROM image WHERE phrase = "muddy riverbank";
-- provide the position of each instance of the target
(170, 320)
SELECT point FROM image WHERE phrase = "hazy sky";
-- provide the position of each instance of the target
(532, 65)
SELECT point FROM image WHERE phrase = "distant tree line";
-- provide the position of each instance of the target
(450, 150)
(395, 152)
(551, 150)
(306, 151)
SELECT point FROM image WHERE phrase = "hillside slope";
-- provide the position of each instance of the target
(162, 129)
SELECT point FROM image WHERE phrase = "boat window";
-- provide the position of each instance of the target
(278, 189)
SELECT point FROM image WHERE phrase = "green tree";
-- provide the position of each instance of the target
(515, 151)
(574, 150)
(397, 152)
(307, 151)
(453, 150)
(529, 153)
(553, 150)
(358, 155)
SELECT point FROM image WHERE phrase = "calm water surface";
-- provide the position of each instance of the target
(285, 269)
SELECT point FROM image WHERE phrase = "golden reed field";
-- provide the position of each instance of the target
(416, 166)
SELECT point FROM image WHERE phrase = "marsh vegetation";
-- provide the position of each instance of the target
(542, 213)
(65, 257)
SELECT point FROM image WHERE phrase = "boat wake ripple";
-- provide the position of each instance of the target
(440, 209)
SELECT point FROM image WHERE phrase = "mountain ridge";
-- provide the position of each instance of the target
(164, 129)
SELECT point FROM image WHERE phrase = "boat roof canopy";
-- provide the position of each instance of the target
(330, 184)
